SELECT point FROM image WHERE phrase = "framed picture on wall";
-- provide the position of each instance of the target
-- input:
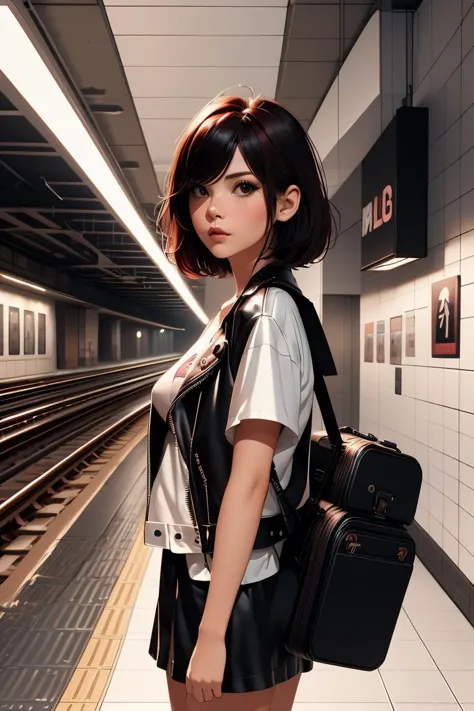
(13, 331)
(29, 332)
(445, 318)
(369, 342)
(41, 334)
(396, 340)
(380, 341)
(1, 329)
(410, 336)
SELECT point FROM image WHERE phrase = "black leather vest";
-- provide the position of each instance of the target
(198, 415)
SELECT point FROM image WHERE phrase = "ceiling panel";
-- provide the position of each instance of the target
(334, 2)
(199, 51)
(199, 3)
(355, 19)
(293, 82)
(194, 81)
(301, 107)
(314, 50)
(178, 55)
(160, 134)
(176, 107)
(197, 20)
(313, 21)
(311, 50)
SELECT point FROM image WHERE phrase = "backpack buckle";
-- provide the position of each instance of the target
(382, 502)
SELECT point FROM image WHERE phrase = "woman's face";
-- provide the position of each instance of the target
(230, 215)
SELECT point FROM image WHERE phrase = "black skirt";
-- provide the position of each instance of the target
(256, 655)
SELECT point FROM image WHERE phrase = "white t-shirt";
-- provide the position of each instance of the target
(274, 382)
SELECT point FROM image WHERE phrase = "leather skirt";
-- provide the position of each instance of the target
(256, 655)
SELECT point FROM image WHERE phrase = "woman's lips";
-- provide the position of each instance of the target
(217, 234)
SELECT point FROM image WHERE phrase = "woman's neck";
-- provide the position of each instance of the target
(242, 273)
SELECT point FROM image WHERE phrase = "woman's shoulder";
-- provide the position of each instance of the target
(279, 301)
(272, 302)
(280, 323)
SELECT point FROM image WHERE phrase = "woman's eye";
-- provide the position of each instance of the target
(246, 188)
(198, 191)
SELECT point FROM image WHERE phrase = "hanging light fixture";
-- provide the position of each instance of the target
(24, 66)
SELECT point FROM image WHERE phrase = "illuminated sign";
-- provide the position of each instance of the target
(395, 193)
(378, 211)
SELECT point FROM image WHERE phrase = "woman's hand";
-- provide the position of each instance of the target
(206, 668)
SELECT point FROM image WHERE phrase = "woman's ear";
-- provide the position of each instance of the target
(288, 203)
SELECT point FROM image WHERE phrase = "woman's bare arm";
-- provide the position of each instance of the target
(239, 517)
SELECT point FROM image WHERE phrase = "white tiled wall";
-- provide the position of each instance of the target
(21, 365)
(434, 417)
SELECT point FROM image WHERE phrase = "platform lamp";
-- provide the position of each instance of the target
(36, 82)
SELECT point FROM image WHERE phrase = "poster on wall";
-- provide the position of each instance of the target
(369, 342)
(445, 318)
(396, 340)
(380, 341)
(41, 334)
(29, 332)
(410, 336)
(1, 329)
(13, 331)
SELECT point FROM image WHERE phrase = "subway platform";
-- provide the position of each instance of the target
(75, 637)
(430, 666)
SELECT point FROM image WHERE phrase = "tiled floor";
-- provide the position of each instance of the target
(430, 665)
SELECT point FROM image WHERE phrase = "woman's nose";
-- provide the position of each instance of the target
(214, 212)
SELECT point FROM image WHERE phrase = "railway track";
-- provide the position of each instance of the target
(27, 393)
(42, 425)
(52, 453)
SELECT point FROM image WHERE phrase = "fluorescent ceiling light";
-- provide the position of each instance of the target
(25, 69)
(23, 283)
(393, 264)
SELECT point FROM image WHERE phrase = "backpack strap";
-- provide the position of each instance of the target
(241, 321)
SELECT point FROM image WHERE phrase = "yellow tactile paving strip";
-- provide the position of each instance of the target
(89, 683)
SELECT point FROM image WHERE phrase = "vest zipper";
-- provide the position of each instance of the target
(172, 427)
(148, 472)
(188, 495)
(204, 481)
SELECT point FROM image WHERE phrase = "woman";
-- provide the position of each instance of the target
(246, 197)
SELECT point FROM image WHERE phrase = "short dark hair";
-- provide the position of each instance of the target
(279, 153)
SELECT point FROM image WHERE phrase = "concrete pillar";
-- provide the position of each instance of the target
(182, 340)
(155, 343)
(109, 339)
(116, 343)
(130, 341)
(164, 342)
(88, 337)
(67, 336)
(145, 343)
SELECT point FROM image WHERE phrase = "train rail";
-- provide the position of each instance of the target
(39, 428)
(24, 393)
(51, 455)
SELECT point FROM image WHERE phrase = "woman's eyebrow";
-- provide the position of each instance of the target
(238, 175)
